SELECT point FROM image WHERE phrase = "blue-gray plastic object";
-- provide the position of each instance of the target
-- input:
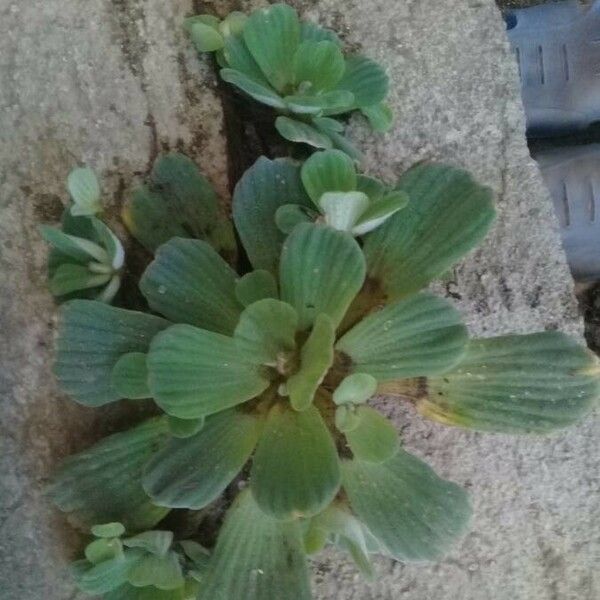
(572, 175)
(557, 47)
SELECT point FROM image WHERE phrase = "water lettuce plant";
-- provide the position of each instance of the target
(298, 69)
(87, 258)
(264, 380)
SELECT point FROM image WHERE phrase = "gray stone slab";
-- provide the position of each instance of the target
(110, 82)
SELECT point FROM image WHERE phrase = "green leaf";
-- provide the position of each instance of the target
(156, 542)
(129, 592)
(316, 358)
(448, 214)
(253, 88)
(70, 277)
(346, 418)
(108, 530)
(413, 513)
(295, 471)
(194, 471)
(162, 572)
(366, 80)
(107, 575)
(328, 171)
(84, 189)
(194, 373)
(355, 389)
(103, 549)
(321, 271)
(516, 384)
(421, 335)
(103, 483)
(328, 124)
(263, 188)
(272, 35)
(319, 63)
(380, 116)
(256, 558)
(205, 38)
(111, 243)
(343, 209)
(189, 282)
(266, 331)
(339, 141)
(370, 186)
(315, 33)
(374, 439)
(233, 23)
(379, 211)
(130, 376)
(78, 248)
(177, 201)
(254, 286)
(238, 57)
(205, 19)
(332, 102)
(290, 215)
(302, 133)
(183, 428)
(91, 338)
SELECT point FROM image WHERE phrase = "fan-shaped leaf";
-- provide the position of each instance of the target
(156, 542)
(413, 513)
(290, 215)
(189, 282)
(194, 373)
(129, 592)
(333, 102)
(254, 286)
(162, 572)
(374, 439)
(103, 483)
(72, 277)
(204, 37)
(266, 330)
(366, 80)
(183, 428)
(343, 209)
(130, 376)
(194, 471)
(272, 35)
(303, 133)
(321, 271)
(355, 389)
(448, 214)
(238, 57)
(295, 471)
(316, 358)
(380, 116)
(517, 384)
(379, 211)
(103, 549)
(108, 530)
(421, 335)
(256, 558)
(253, 88)
(266, 186)
(91, 338)
(78, 248)
(107, 575)
(314, 33)
(84, 188)
(328, 171)
(370, 186)
(319, 63)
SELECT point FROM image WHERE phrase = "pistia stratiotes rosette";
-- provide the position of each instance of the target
(298, 69)
(276, 367)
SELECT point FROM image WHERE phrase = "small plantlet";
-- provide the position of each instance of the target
(275, 368)
(87, 257)
(298, 69)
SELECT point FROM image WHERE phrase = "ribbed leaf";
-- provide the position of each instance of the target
(374, 439)
(238, 57)
(315, 33)
(83, 186)
(266, 330)
(421, 335)
(290, 215)
(108, 530)
(205, 38)
(162, 572)
(379, 211)
(256, 558)
(156, 542)
(129, 592)
(103, 549)
(107, 575)
(78, 248)
(130, 376)
(103, 483)
(380, 116)
(302, 133)
(295, 471)
(319, 63)
(189, 282)
(316, 358)
(73, 277)
(366, 80)
(355, 389)
(91, 338)
(272, 35)
(332, 102)
(321, 271)
(516, 384)
(110, 242)
(194, 373)
(370, 186)
(343, 209)
(183, 428)
(412, 512)
(263, 188)
(448, 214)
(328, 171)
(254, 286)
(253, 88)
(194, 471)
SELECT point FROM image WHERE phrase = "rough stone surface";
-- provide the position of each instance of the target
(112, 82)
